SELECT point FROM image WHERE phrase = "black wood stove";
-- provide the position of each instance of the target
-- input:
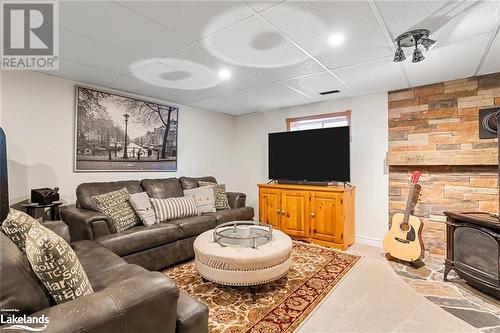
(473, 250)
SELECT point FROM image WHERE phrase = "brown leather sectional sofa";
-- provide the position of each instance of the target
(126, 298)
(156, 247)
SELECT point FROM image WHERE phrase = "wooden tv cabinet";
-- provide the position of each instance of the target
(318, 214)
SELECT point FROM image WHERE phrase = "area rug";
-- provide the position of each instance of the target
(280, 306)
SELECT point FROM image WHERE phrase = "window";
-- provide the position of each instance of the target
(337, 119)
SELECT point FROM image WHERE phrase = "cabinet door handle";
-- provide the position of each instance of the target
(312, 215)
(277, 211)
(282, 212)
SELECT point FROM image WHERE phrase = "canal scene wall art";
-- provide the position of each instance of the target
(120, 133)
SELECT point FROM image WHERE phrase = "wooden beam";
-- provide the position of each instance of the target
(469, 157)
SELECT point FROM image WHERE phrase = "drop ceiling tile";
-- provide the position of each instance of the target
(311, 24)
(312, 85)
(450, 62)
(401, 16)
(195, 19)
(256, 44)
(478, 18)
(260, 5)
(374, 76)
(491, 63)
(278, 94)
(200, 63)
(139, 87)
(109, 23)
(218, 106)
(244, 100)
(83, 73)
(83, 50)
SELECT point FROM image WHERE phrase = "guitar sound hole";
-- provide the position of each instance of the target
(404, 227)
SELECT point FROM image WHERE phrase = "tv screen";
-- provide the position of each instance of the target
(311, 155)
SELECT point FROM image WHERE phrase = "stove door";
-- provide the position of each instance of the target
(476, 252)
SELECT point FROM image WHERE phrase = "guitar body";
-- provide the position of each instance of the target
(404, 240)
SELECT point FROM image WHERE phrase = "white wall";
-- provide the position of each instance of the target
(368, 151)
(37, 113)
(38, 118)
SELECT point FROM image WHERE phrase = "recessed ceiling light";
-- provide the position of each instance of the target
(336, 39)
(224, 74)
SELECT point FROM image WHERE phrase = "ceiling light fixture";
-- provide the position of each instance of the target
(413, 38)
(336, 39)
(224, 74)
(399, 55)
(417, 55)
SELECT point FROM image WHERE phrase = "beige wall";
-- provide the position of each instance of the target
(368, 151)
(38, 118)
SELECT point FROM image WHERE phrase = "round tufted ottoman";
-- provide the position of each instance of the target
(242, 266)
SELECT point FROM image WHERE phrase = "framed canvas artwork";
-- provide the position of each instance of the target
(121, 133)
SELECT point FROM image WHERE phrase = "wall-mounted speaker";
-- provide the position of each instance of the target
(488, 123)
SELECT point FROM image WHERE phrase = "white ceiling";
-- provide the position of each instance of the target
(277, 51)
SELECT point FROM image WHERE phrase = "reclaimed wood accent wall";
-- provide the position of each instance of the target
(435, 129)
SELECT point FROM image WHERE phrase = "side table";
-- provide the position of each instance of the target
(54, 209)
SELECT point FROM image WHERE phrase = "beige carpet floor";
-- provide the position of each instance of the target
(373, 298)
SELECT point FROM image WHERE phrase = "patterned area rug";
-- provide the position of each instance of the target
(280, 306)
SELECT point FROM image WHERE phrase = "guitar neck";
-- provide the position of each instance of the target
(411, 202)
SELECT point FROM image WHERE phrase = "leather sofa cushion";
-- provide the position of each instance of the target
(85, 191)
(192, 315)
(162, 188)
(191, 182)
(235, 214)
(140, 238)
(109, 277)
(95, 258)
(20, 288)
(194, 225)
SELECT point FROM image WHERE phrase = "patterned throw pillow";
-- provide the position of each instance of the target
(16, 227)
(221, 201)
(56, 265)
(173, 208)
(142, 206)
(116, 206)
(203, 197)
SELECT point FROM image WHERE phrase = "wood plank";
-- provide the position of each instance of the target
(482, 157)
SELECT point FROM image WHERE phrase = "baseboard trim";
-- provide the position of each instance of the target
(369, 241)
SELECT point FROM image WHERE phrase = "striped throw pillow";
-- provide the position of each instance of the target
(173, 208)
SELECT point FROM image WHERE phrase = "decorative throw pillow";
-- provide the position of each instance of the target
(116, 206)
(56, 265)
(142, 206)
(173, 208)
(203, 197)
(221, 201)
(16, 227)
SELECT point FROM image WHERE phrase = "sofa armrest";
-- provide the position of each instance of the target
(144, 303)
(236, 199)
(60, 228)
(84, 223)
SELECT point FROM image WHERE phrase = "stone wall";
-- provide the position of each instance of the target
(435, 129)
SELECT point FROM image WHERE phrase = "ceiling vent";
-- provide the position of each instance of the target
(329, 92)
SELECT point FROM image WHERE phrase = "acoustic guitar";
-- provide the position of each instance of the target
(404, 239)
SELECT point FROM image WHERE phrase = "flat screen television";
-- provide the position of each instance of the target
(319, 155)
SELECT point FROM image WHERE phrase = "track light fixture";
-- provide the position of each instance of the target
(413, 38)
(399, 55)
(417, 55)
